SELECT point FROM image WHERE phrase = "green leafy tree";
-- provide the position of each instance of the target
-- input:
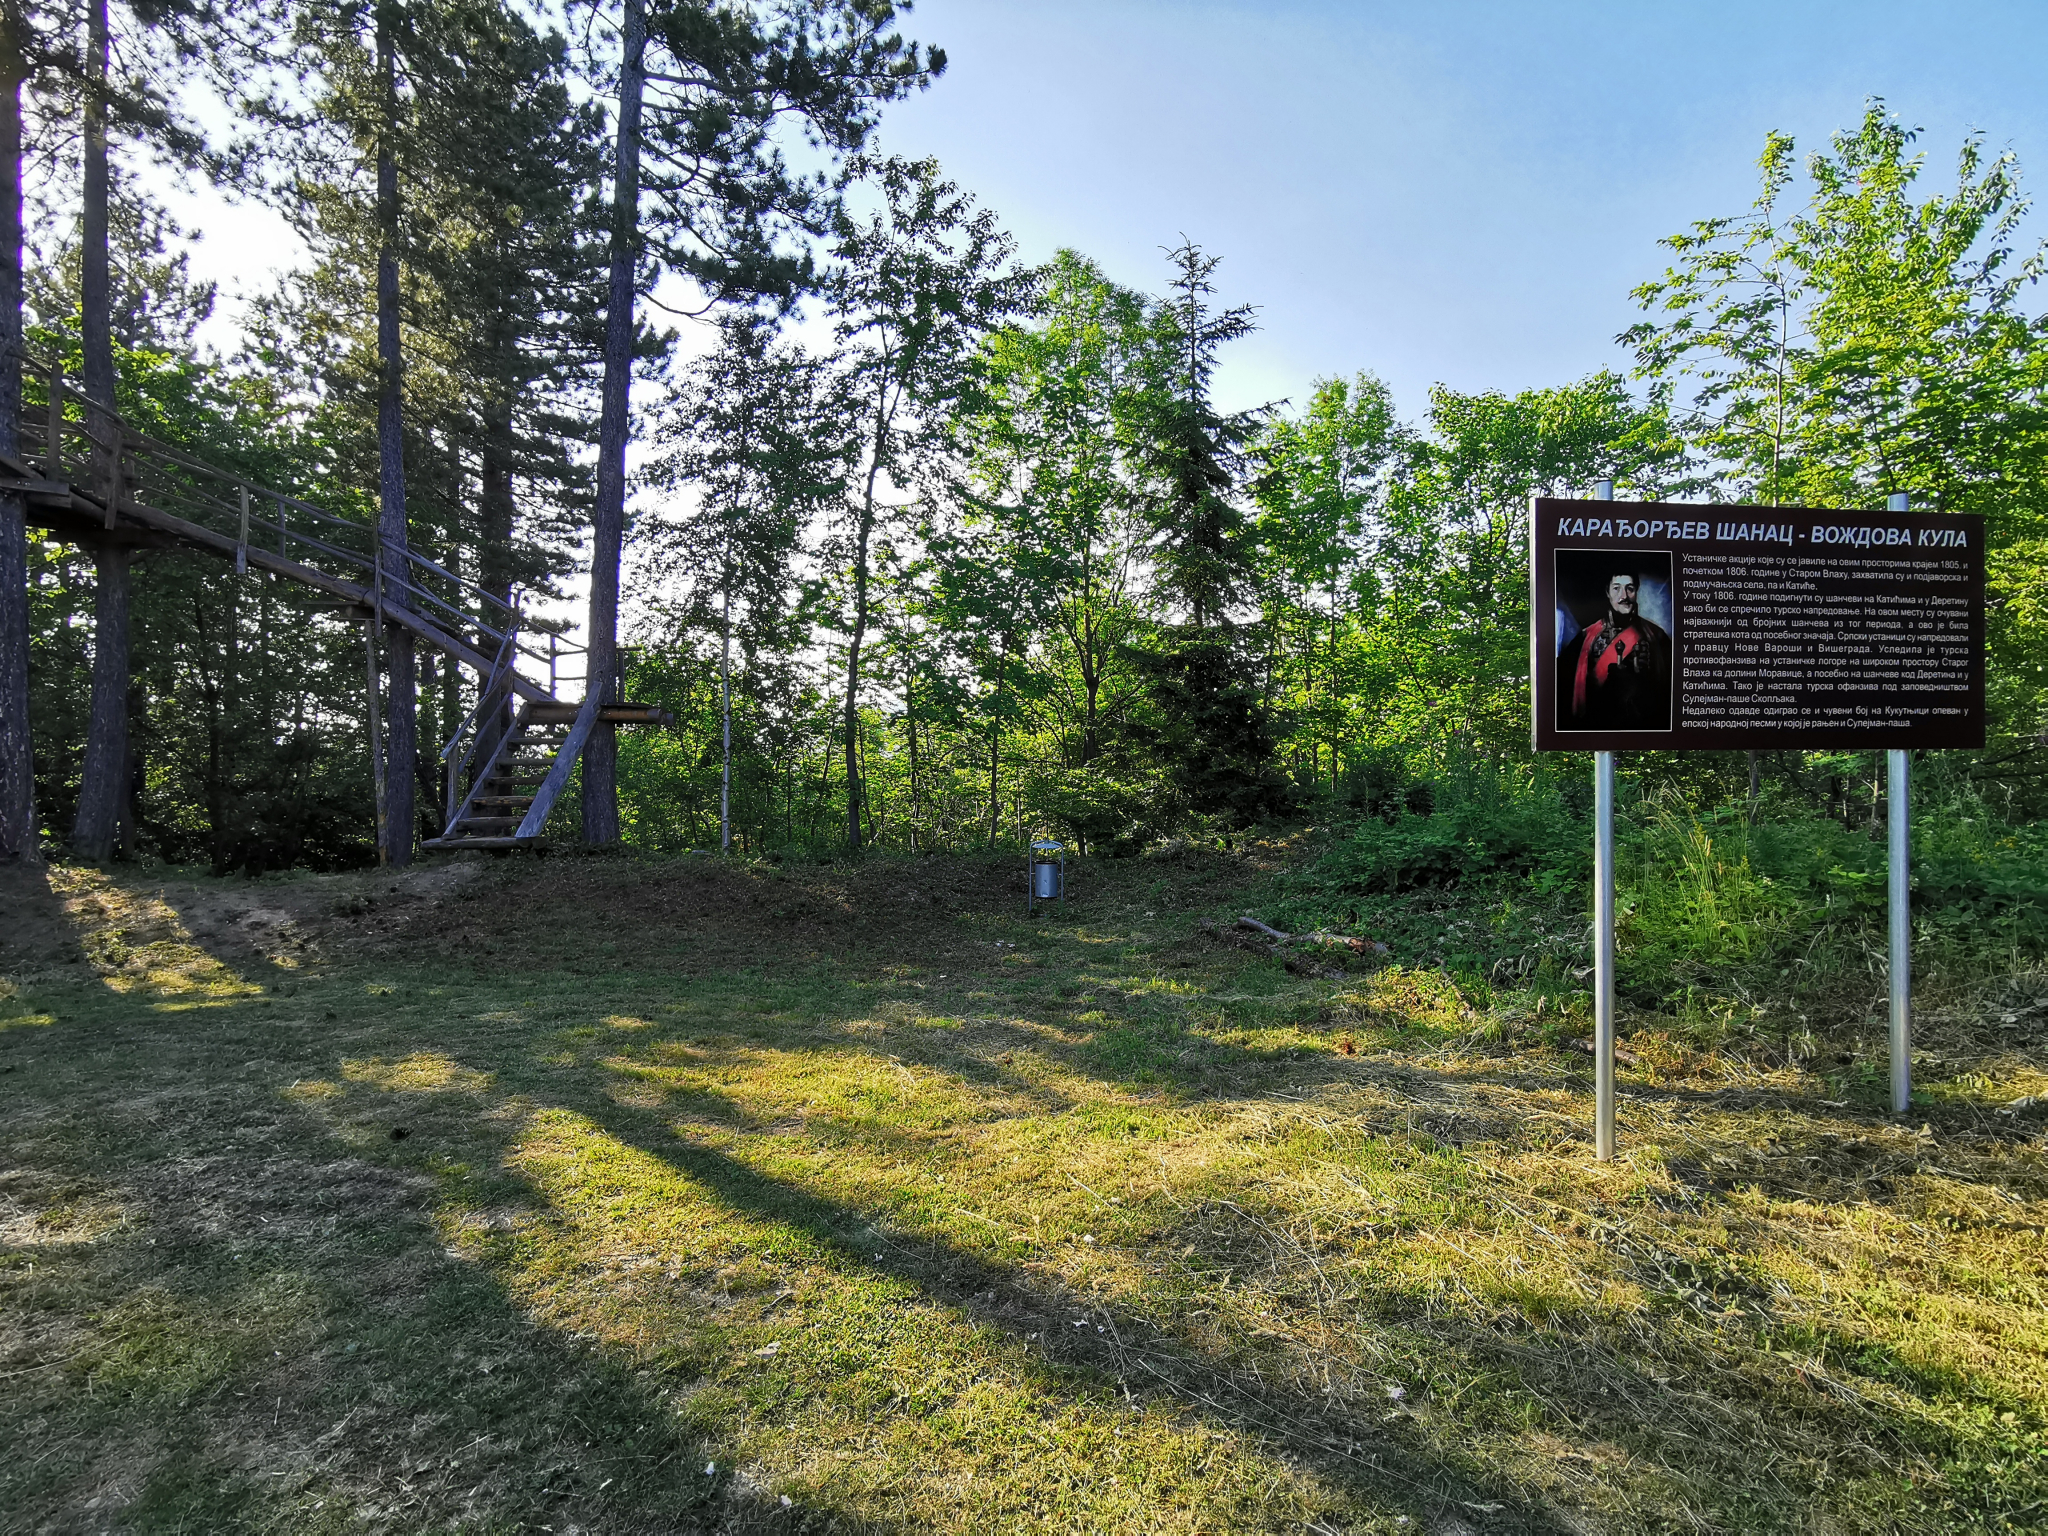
(1048, 504)
(1444, 601)
(1321, 490)
(915, 284)
(747, 431)
(1874, 340)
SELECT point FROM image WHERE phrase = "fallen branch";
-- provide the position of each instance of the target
(1300, 965)
(1320, 936)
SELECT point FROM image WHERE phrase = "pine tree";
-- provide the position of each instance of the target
(450, 317)
(17, 766)
(38, 49)
(341, 146)
(701, 88)
(156, 39)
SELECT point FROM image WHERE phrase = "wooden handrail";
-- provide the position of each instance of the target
(142, 446)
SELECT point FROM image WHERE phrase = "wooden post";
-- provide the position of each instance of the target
(54, 431)
(113, 486)
(370, 631)
(242, 544)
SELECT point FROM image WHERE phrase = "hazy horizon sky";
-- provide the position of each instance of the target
(1462, 191)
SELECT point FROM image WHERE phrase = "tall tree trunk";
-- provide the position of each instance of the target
(401, 733)
(910, 729)
(494, 568)
(855, 777)
(608, 517)
(17, 768)
(95, 303)
(104, 775)
(104, 779)
(725, 714)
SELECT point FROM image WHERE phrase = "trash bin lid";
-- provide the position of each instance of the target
(1046, 847)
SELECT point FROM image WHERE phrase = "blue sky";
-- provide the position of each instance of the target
(1437, 189)
(1449, 190)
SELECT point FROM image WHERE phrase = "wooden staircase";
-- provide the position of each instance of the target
(513, 792)
(90, 477)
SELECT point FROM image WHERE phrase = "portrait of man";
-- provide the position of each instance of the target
(1613, 657)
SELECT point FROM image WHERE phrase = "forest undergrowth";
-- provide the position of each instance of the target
(632, 1194)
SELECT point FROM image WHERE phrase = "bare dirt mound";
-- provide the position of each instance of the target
(134, 919)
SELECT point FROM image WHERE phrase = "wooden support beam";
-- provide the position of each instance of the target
(193, 535)
(89, 531)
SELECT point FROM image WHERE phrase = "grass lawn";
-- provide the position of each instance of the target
(598, 1195)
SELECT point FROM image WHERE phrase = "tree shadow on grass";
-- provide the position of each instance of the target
(404, 1361)
(270, 1337)
(1086, 1346)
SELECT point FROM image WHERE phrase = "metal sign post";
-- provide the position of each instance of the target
(1650, 629)
(1603, 935)
(1898, 870)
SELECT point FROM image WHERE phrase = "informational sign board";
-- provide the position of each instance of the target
(1656, 625)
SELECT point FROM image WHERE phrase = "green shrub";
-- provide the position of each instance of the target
(1530, 840)
(1496, 881)
(1696, 901)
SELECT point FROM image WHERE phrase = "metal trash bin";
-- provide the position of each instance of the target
(1048, 880)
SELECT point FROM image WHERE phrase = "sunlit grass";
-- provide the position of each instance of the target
(1100, 1233)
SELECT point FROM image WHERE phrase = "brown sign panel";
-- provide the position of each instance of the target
(1663, 626)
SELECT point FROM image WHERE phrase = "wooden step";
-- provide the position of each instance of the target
(519, 801)
(455, 843)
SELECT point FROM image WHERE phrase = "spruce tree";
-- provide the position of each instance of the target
(1210, 720)
(1191, 455)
